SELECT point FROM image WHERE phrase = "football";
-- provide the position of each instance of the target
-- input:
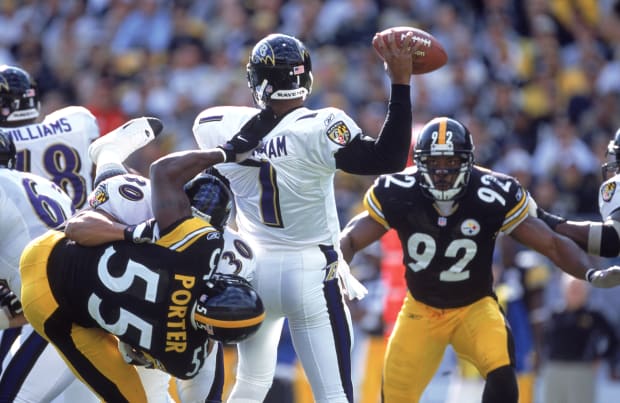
(430, 57)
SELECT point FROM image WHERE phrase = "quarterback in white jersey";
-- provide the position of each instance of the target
(286, 207)
(57, 147)
(600, 238)
(29, 206)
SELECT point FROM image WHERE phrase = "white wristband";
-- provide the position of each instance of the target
(223, 153)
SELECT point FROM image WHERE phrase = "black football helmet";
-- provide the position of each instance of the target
(19, 97)
(279, 68)
(211, 198)
(612, 166)
(444, 137)
(229, 309)
(7, 150)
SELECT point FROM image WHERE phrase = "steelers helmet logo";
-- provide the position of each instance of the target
(470, 227)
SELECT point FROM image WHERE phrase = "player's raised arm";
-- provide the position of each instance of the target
(168, 176)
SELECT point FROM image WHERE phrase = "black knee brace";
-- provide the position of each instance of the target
(501, 386)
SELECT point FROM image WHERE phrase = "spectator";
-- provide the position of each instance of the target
(576, 338)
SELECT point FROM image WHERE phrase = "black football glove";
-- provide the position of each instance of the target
(144, 232)
(133, 356)
(249, 137)
(550, 219)
(9, 301)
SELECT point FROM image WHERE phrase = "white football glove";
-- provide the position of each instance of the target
(605, 278)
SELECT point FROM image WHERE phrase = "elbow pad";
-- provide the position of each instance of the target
(604, 239)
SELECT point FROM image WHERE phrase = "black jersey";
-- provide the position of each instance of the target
(143, 294)
(448, 257)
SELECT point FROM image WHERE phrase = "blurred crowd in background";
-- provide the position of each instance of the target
(537, 82)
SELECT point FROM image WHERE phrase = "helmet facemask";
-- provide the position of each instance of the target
(612, 166)
(7, 151)
(445, 176)
(444, 155)
(210, 199)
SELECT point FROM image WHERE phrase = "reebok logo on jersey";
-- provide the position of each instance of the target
(607, 192)
(99, 196)
(470, 227)
(339, 133)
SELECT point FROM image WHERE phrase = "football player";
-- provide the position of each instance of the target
(159, 299)
(31, 358)
(600, 238)
(447, 213)
(126, 199)
(30, 205)
(56, 148)
(286, 208)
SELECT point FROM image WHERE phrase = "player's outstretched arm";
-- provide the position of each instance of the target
(92, 228)
(535, 234)
(595, 237)
(169, 174)
(359, 232)
(390, 150)
(96, 227)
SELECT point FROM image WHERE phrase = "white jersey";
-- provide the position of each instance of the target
(284, 192)
(29, 206)
(125, 197)
(609, 197)
(57, 149)
(128, 199)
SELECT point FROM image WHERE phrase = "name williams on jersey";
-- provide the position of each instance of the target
(40, 130)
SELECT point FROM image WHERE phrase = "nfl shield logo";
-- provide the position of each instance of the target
(442, 221)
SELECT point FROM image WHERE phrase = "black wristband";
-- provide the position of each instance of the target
(589, 275)
(551, 220)
(128, 232)
(229, 154)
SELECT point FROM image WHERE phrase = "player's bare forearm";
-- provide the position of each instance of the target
(577, 231)
(92, 228)
(360, 232)
(565, 253)
(168, 176)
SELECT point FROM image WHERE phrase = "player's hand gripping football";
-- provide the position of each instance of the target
(241, 145)
(605, 278)
(397, 54)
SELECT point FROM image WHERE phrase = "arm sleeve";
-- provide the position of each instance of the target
(389, 152)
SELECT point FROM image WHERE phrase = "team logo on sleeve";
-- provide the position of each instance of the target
(607, 192)
(470, 227)
(99, 196)
(339, 133)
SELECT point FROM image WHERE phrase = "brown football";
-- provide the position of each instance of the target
(429, 58)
